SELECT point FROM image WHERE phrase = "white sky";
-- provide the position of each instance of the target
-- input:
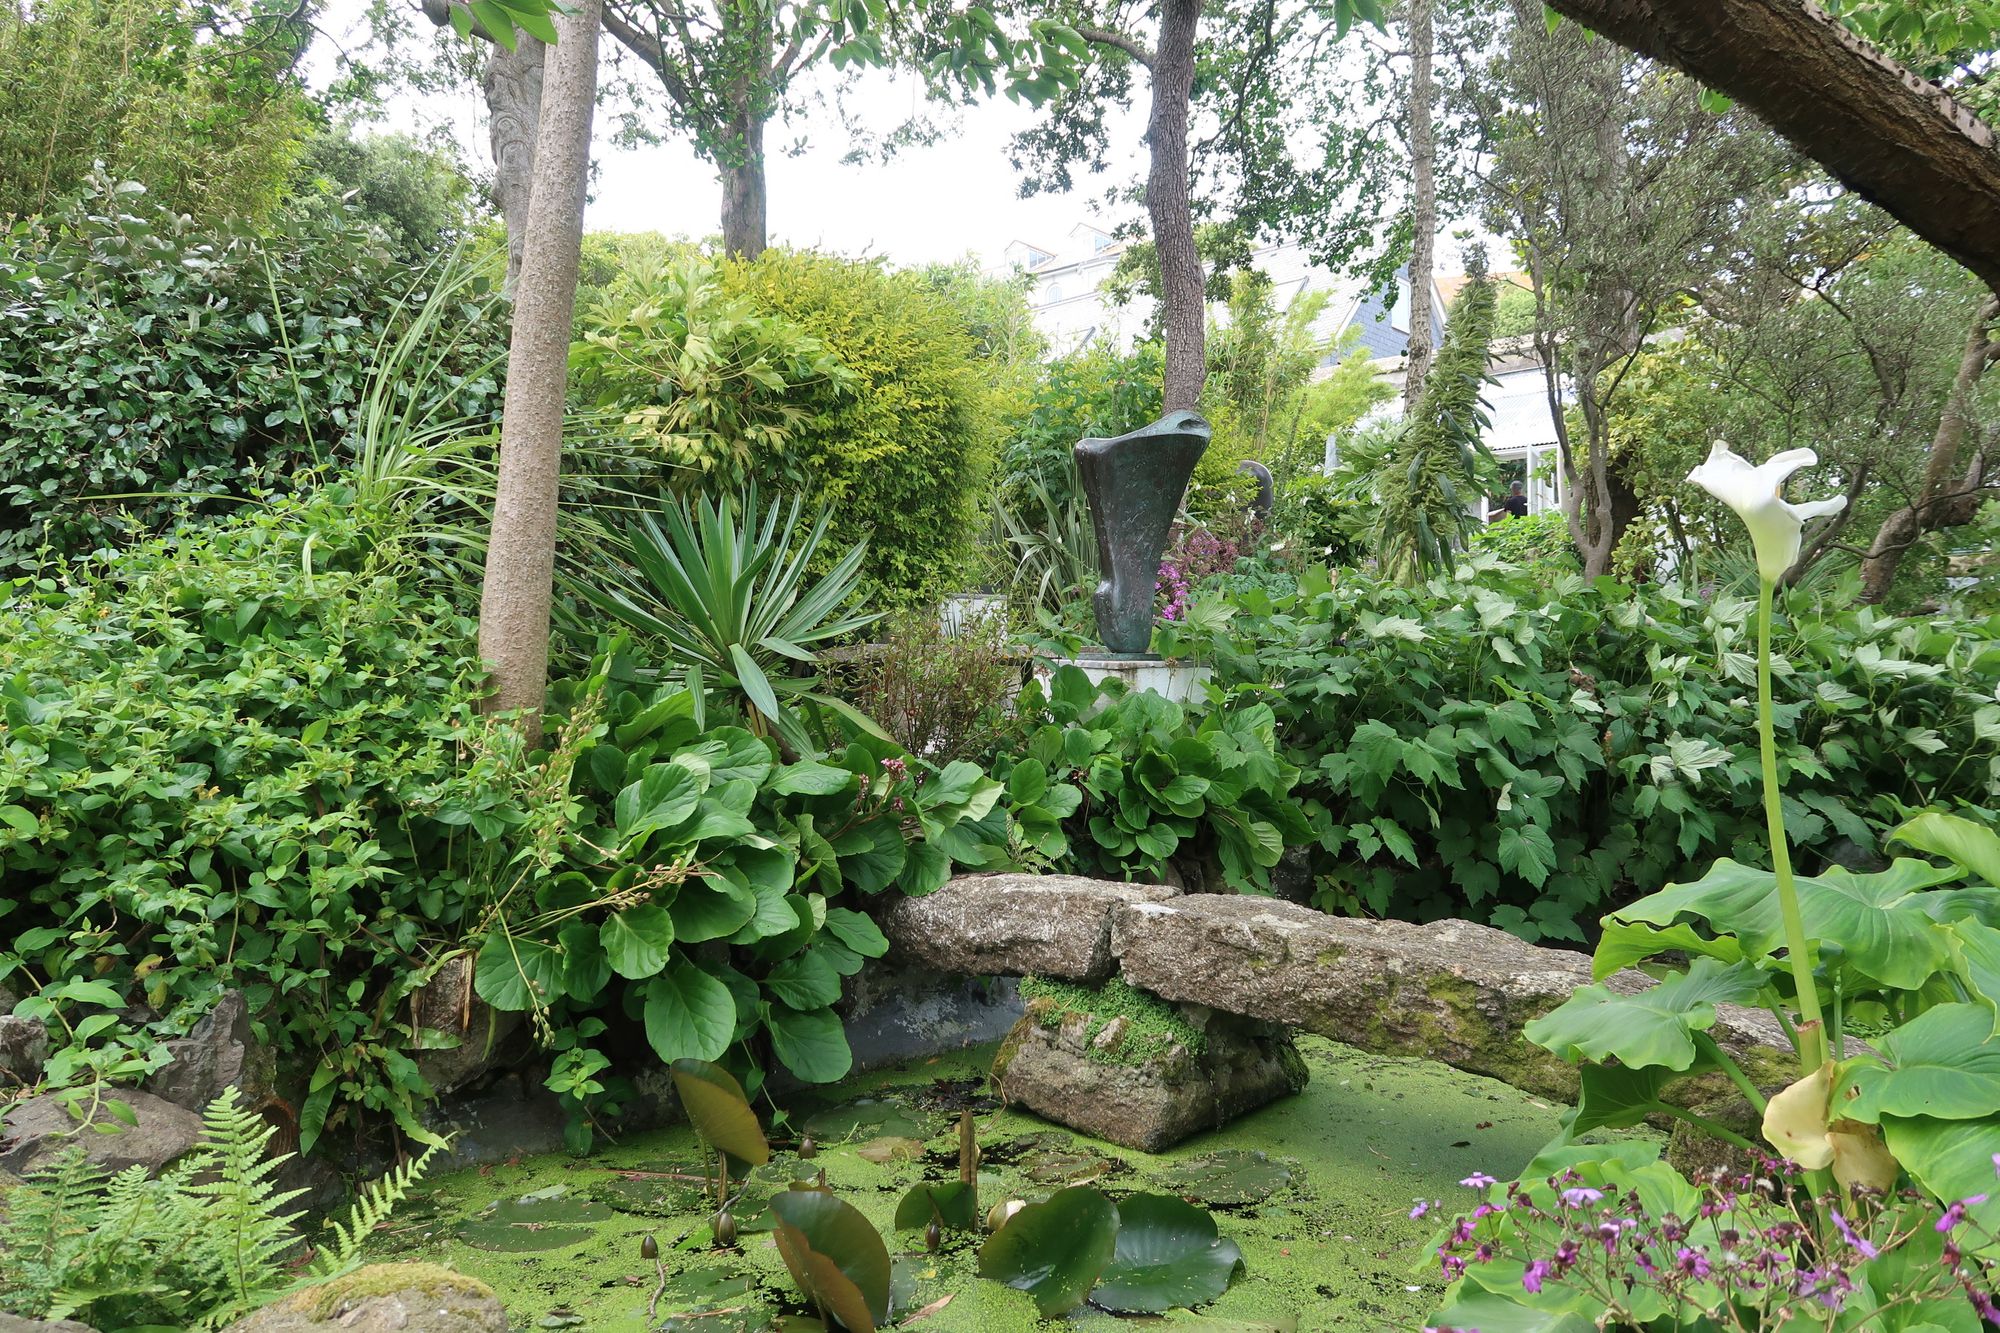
(941, 202)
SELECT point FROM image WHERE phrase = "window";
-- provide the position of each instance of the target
(1055, 292)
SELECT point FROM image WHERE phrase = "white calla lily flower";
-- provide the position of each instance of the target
(1757, 494)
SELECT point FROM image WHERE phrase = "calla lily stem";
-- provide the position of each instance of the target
(1812, 1027)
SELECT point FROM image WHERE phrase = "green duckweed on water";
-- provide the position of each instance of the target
(1316, 1189)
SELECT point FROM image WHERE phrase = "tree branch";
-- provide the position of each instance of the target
(1131, 46)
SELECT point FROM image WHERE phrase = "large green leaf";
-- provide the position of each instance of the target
(712, 908)
(1953, 1159)
(1975, 952)
(1654, 1027)
(1956, 838)
(1054, 1251)
(637, 940)
(664, 796)
(856, 931)
(733, 755)
(1881, 920)
(1490, 1313)
(871, 855)
(689, 1014)
(1168, 1256)
(812, 1044)
(1618, 1097)
(509, 967)
(835, 1255)
(804, 981)
(1944, 1063)
(1624, 943)
(719, 1111)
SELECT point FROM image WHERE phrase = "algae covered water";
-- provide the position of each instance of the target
(1316, 1190)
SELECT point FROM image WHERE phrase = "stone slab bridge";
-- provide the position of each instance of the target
(1241, 973)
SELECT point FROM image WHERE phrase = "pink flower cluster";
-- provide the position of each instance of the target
(1758, 1243)
(1173, 591)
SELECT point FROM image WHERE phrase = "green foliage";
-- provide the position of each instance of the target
(246, 756)
(902, 452)
(1145, 1254)
(732, 599)
(835, 1255)
(939, 694)
(707, 387)
(1539, 543)
(1097, 391)
(196, 1247)
(196, 101)
(687, 877)
(1123, 784)
(1529, 752)
(1259, 362)
(1909, 948)
(155, 367)
(1154, 1026)
(416, 192)
(1054, 1250)
(1430, 476)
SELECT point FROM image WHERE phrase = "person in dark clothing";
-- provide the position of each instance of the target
(1516, 503)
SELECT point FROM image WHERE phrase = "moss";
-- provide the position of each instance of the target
(430, 1280)
(1153, 1028)
(1335, 1250)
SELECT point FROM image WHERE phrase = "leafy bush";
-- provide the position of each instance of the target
(943, 696)
(902, 452)
(1122, 785)
(245, 756)
(149, 366)
(691, 878)
(1531, 752)
(1097, 391)
(192, 1248)
(709, 387)
(1540, 543)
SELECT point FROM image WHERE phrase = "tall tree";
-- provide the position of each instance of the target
(516, 593)
(1423, 200)
(1615, 182)
(1887, 133)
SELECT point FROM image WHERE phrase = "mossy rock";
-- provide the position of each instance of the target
(382, 1298)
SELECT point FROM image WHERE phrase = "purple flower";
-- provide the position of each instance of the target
(1956, 1213)
(1478, 1180)
(1847, 1234)
(1692, 1263)
(1419, 1210)
(1531, 1280)
(1581, 1196)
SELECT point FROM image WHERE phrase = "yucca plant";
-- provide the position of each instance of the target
(727, 586)
(1052, 537)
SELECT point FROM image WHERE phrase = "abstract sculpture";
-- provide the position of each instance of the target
(1134, 483)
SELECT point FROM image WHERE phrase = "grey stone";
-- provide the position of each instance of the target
(8, 999)
(1056, 926)
(24, 1044)
(222, 1052)
(1449, 991)
(385, 1298)
(1118, 1081)
(1698, 1154)
(40, 1128)
(447, 1006)
(13, 1323)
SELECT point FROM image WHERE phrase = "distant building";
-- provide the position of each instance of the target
(1070, 309)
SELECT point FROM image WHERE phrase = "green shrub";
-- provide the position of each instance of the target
(150, 367)
(245, 756)
(904, 450)
(690, 878)
(1539, 542)
(1121, 785)
(1533, 751)
(1097, 391)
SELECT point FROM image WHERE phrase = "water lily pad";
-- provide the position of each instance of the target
(721, 1114)
(1228, 1179)
(1168, 1256)
(651, 1195)
(955, 1205)
(835, 1255)
(711, 1300)
(869, 1118)
(547, 1206)
(889, 1148)
(513, 1238)
(1054, 1251)
(1058, 1166)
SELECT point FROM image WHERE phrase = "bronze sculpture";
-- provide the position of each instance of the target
(1134, 483)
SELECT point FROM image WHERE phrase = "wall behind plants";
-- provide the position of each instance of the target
(152, 367)
(1532, 751)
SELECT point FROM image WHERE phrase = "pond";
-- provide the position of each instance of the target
(1316, 1190)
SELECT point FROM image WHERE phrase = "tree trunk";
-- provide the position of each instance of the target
(521, 551)
(1937, 505)
(743, 196)
(1888, 135)
(1423, 205)
(512, 82)
(1183, 291)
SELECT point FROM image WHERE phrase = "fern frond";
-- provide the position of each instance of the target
(369, 1211)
